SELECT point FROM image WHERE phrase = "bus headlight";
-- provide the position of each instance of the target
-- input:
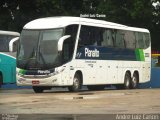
(58, 70)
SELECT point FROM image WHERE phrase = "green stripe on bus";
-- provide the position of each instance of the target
(22, 72)
(140, 55)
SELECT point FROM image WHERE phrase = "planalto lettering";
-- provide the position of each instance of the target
(91, 53)
(44, 72)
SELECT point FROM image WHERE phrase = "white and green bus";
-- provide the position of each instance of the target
(8, 46)
(73, 51)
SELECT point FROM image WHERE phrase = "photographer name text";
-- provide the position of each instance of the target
(137, 116)
(92, 15)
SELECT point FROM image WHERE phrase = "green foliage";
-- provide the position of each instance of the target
(14, 14)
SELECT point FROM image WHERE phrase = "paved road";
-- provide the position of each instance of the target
(60, 101)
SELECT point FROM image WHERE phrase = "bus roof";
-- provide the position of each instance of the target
(63, 21)
(9, 33)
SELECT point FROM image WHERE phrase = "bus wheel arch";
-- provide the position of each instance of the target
(77, 82)
(81, 75)
(1, 78)
(135, 80)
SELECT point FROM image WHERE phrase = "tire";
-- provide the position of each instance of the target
(38, 89)
(77, 83)
(135, 81)
(127, 81)
(96, 87)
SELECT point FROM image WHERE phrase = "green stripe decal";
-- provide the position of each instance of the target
(22, 72)
(140, 55)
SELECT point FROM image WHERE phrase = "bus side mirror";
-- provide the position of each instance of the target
(11, 44)
(61, 40)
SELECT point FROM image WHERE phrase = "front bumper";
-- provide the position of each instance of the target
(39, 81)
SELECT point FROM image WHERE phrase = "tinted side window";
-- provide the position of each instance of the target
(68, 45)
(90, 36)
(119, 41)
(142, 40)
(84, 38)
(146, 39)
(4, 42)
(139, 40)
(107, 38)
(130, 39)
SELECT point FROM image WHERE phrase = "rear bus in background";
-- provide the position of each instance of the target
(8, 48)
(72, 52)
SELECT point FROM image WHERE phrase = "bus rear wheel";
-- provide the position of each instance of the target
(38, 89)
(135, 81)
(77, 83)
(127, 81)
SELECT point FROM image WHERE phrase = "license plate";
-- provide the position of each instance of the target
(35, 82)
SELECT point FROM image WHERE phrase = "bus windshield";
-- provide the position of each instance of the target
(38, 49)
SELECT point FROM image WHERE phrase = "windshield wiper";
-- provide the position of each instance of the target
(30, 58)
(43, 60)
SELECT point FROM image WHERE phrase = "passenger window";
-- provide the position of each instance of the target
(146, 40)
(69, 44)
(84, 36)
(139, 40)
(90, 36)
(107, 38)
(119, 41)
(130, 39)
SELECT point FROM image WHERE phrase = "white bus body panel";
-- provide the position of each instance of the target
(94, 72)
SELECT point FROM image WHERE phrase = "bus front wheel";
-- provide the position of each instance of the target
(38, 89)
(76, 84)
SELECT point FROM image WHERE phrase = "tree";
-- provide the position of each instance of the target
(5, 15)
(14, 14)
(156, 25)
(137, 13)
